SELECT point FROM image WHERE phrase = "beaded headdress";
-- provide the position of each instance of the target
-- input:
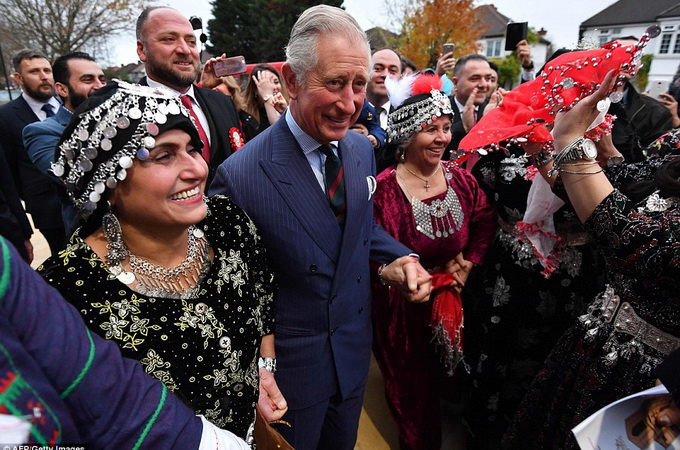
(117, 124)
(418, 101)
(524, 111)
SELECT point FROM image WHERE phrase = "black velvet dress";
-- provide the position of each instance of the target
(204, 349)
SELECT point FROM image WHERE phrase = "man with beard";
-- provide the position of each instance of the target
(34, 73)
(76, 76)
(167, 46)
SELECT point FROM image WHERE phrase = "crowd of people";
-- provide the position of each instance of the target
(225, 262)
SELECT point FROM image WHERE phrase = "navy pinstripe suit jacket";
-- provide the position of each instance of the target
(323, 320)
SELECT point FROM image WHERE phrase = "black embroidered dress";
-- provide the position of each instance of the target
(514, 314)
(204, 349)
(609, 353)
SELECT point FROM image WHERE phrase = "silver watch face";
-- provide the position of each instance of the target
(589, 149)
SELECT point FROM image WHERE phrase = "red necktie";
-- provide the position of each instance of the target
(186, 101)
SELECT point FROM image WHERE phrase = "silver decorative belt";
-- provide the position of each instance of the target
(626, 320)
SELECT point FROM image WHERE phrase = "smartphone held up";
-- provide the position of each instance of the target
(229, 66)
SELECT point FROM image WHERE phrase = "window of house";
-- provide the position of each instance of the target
(676, 47)
(665, 42)
(493, 48)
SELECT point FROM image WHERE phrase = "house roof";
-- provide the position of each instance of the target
(630, 11)
(673, 11)
(494, 21)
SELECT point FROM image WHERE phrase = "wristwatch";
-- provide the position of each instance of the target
(581, 148)
(267, 97)
(269, 364)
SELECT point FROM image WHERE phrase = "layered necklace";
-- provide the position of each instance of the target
(181, 281)
(441, 218)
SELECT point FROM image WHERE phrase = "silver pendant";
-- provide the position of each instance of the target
(126, 277)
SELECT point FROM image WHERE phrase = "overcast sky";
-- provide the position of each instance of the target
(560, 19)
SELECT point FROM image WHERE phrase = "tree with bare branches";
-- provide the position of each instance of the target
(57, 27)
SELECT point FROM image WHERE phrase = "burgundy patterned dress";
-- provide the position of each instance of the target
(414, 378)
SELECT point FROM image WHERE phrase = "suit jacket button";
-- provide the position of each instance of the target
(365, 241)
(333, 331)
(359, 279)
(361, 310)
(312, 268)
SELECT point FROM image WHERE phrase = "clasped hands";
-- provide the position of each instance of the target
(410, 277)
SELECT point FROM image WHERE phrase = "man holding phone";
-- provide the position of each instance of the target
(167, 46)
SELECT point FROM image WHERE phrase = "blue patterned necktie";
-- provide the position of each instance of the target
(335, 183)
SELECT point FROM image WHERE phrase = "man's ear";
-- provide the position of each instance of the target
(291, 80)
(62, 89)
(18, 78)
(140, 51)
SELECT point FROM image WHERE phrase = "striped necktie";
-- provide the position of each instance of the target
(335, 183)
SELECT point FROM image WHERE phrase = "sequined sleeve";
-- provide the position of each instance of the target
(254, 253)
(641, 240)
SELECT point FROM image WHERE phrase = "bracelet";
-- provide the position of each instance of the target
(528, 66)
(268, 364)
(541, 158)
(380, 271)
(588, 163)
(267, 97)
(581, 173)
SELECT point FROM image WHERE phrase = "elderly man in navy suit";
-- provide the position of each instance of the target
(76, 76)
(307, 183)
(36, 103)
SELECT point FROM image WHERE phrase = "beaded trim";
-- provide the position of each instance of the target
(95, 132)
(410, 119)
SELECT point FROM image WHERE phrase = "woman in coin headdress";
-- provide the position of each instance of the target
(179, 281)
(439, 211)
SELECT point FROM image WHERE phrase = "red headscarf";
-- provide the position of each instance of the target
(524, 111)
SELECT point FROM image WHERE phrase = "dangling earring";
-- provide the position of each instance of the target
(116, 249)
(402, 158)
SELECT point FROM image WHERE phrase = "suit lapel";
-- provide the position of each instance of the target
(24, 112)
(292, 177)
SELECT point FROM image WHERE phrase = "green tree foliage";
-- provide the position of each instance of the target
(642, 75)
(256, 29)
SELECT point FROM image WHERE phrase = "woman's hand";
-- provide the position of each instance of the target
(460, 268)
(574, 123)
(271, 402)
(279, 102)
(264, 80)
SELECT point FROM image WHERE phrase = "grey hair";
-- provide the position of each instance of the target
(317, 21)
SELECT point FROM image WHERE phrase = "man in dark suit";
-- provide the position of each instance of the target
(14, 224)
(288, 179)
(472, 78)
(76, 76)
(167, 46)
(36, 103)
